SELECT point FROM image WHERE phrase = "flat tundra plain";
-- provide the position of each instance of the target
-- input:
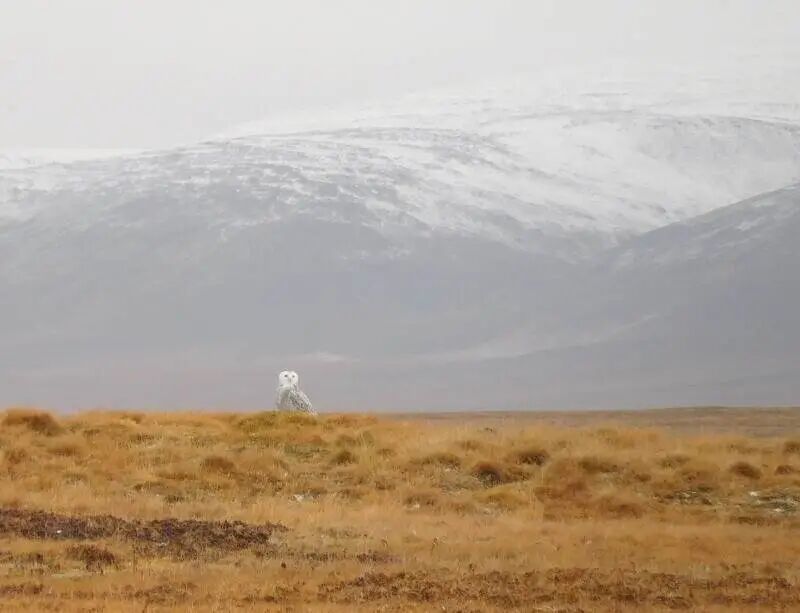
(658, 510)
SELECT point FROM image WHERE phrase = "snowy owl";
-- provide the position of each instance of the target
(289, 395)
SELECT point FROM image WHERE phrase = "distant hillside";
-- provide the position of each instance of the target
(474, 251)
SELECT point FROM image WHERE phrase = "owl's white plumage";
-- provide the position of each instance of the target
(289, 395)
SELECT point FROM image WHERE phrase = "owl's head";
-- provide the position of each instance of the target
(288, 377)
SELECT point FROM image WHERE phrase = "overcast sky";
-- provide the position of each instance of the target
(150, 73)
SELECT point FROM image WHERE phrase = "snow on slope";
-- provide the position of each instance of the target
(643, 147)
(728, 232)
(11, 159)
(582, 159)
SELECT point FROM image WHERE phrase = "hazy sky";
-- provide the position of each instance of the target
(149, 73)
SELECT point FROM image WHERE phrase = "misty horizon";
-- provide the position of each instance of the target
(451, 206)
(100, 75)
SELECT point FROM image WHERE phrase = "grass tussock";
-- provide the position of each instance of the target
(425, 497)
(700, 474)
(68, 447)
(33, 420)
(216, 464)
(92, 556)
(674, 460)
(594, 465)
(505, 498)
(792, 447)
(620, 506)
(344, 456)
(530, 455)
(471, 444)
(444, 459)
(15, 455)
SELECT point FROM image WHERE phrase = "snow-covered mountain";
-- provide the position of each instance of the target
(578, 158)
(436, 237)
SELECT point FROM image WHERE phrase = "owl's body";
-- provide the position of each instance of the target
(292, 399)
(289, 396)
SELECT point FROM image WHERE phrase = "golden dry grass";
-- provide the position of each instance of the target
(125, 511)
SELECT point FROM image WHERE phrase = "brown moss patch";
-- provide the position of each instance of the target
(92, 556)
(745, 469)
(620, 507)
(344, 456)
(491, 473)
(593, 465)
(218, 464)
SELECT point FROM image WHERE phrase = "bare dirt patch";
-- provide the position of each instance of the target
(568, 587)
(184, 536)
